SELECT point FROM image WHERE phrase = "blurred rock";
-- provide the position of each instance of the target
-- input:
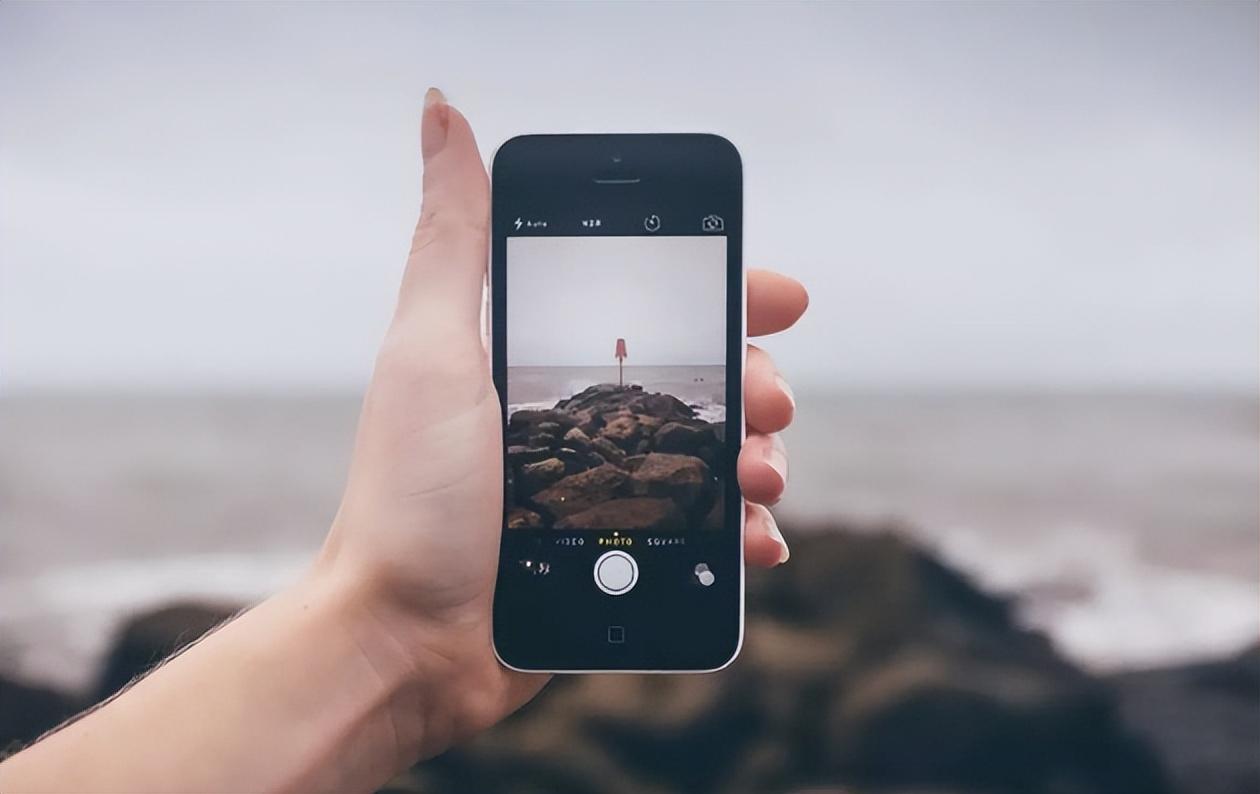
(150, 637)
(867, 667)
(1203, 718)
(27, 711)
(607, 428)
(142, 642)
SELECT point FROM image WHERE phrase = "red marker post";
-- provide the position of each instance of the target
(621, 357)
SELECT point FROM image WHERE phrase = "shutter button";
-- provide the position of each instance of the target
(616, 573)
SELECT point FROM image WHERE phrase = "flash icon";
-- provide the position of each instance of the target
(518, 224)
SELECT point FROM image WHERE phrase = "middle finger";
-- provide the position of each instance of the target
(768, 402)
(762, 468)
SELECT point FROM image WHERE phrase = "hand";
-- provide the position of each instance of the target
(382, 654)
(418, 529)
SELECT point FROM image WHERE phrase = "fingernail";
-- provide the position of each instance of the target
(783, 384)
(773, 529)
(433, 127)
(777, 460)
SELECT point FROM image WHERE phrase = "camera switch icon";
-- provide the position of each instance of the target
(712, 223)
(703, 575)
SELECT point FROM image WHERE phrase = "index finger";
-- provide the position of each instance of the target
(775, 302)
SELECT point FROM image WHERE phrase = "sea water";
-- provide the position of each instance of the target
(701, 387)
(1125, 525)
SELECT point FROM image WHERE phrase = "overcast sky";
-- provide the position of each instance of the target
(571, 298)
(1058, 194)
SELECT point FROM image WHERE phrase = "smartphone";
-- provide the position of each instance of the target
(617, 342)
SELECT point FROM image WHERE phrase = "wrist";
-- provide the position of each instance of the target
(426, 678)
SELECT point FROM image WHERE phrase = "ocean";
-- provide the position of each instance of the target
(1125, 525)
(1128, 525)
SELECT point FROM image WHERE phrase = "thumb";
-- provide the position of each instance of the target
(446, 269)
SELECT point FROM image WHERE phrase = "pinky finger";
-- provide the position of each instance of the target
(764, 545)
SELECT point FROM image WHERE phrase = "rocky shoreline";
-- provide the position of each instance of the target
(615, 458)
(867, 664)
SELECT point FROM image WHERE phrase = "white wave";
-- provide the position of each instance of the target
(67, 616)
(1102, 603)
(710, 411)
(541, 405)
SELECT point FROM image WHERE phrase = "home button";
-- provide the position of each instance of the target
(616, 573)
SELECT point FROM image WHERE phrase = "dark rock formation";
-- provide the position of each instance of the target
(579, 492)
(149, 638)
(528, 420)
(609, 451)
(686, 439)
(867, 667)
(654, 437)
(141, 643)
(577, 462)
(520, 455)
(520, 518)
(577, 440)
(534, 477)
(624, 430)
(682, 478)
(1203, 718)
(28, 710)
(541, 440)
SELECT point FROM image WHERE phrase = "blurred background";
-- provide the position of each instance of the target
(1026, 467)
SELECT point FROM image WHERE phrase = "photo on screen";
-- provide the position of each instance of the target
(616, 383)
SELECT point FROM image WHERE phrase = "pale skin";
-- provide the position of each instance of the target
(381, 654)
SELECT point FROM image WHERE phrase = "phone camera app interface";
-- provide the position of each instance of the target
(616, 414)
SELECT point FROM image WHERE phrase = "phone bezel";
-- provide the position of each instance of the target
(524, 163)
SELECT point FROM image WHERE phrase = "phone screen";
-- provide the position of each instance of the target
(617, 324)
